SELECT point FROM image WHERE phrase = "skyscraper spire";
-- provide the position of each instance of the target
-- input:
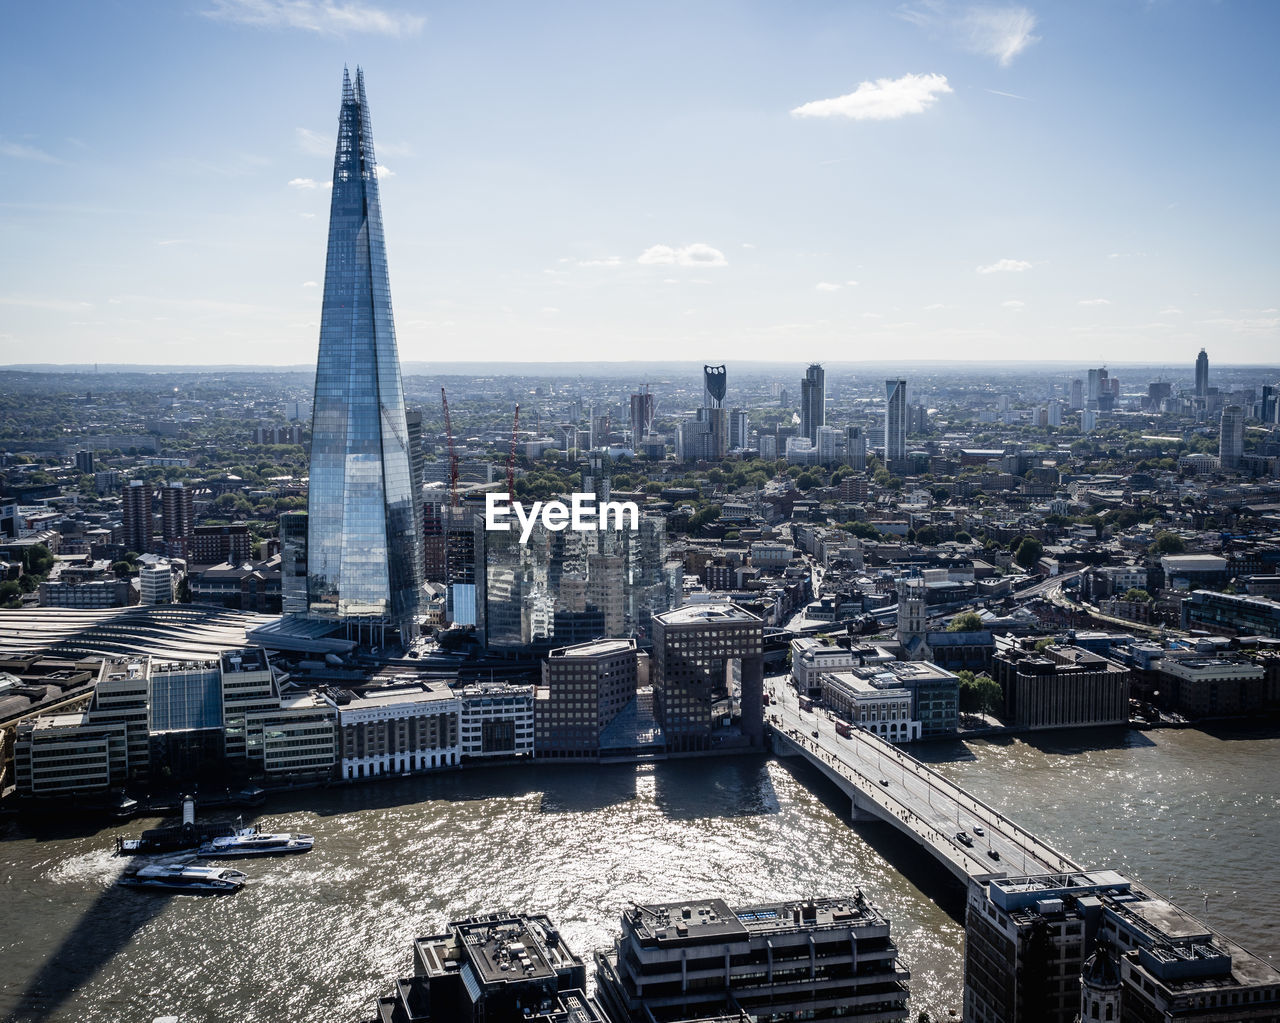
(362, 550)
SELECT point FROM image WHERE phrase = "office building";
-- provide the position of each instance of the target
(499, 968)
(154, 719)
(293, 562)
(831, 958)
(137, 526)
(155, 582)
(402, 728)
(873, 700)
(1202, 374)
(584, 688)
(813, 402)
(497, 720)
(363, 540)
(694, 650)
(828, 444)
(895, 424)
(1231, 437)
(739, 430)
(1077, 395)
(1031, 945)
(84, 462)
(1061, 687)
(1233, 613)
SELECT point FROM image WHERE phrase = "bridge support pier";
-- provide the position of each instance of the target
(859, 812)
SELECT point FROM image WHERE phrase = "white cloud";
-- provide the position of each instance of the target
(826, 286)
(385, 172)
(52, 304)
(313, 142)
(607, 261)
(1257, 326)
(1000, 32)
(550, 309)
(310, 284)
(1171, 311)
(1094, 301)
(697, 254)
(21, 151)
(325, 17)
(1012, 266)
(303, 183)
(1014, 304)
(881, 100)
(851, 284)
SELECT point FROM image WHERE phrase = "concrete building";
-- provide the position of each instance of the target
(403, 728)
(815, 959)
(155, 582)
(855, 447)
(1061, 687)
(1209, 687)
(872, 700)
(500, 968)
(1233, 613)
(156, 720)
(584, 688)
(812, 657)
(497, 720)
(135, 533)
(694, 648)
(606, 590)
(1029, 942)
(177, 518)
(895, 424)
(212, 545)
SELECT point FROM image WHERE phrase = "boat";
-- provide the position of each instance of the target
(183, 877)
(252, 842)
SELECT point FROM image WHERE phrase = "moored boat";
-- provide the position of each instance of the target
(184, 877)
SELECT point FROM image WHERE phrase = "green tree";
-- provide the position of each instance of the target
(1028, 552)
(966, 621)
(1044, 644)
(1136, 593)
(963, 537)
(927, 535)
(1168, 543)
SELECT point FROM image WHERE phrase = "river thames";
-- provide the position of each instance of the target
(318, 937)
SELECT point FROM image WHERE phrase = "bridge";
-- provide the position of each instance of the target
(883, 782)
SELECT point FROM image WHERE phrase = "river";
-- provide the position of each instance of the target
(320, 936)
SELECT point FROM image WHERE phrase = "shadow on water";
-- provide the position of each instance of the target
(1070, 741)
(934, 881)
(104, 929)
(698, 788)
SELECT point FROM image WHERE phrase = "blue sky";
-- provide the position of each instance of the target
(604, 181)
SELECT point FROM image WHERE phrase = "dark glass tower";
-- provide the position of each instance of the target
(813, 402)
(362, 542)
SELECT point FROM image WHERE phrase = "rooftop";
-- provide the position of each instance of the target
(596, 648)
(710, 614)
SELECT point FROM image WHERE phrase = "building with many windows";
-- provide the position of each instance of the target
(402, 728)
(363, 561)
(813, 402)
(1061, 687)
(497, 720)
(584, 688)
(816, 959)
(694, 650)
(872, 700)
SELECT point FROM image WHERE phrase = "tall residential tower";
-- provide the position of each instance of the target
(813, 402)
(362, 544)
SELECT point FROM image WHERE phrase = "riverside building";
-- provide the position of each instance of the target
(1061, 687)
(584, 688)
(397, 729)
(813, 959)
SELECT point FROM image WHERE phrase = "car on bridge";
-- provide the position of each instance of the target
(977, 830)
(963, 838)
(994, 853)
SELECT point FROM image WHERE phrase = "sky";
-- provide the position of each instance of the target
(806, 180)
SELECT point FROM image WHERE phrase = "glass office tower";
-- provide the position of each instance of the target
(362, 545)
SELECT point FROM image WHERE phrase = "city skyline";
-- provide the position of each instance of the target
(955, 180)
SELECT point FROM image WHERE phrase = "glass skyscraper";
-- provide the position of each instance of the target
(363, 565)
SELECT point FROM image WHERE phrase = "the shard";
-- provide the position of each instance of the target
(362, 543)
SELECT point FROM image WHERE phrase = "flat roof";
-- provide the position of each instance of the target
(596, 648)
(711, 614)
(419, 692)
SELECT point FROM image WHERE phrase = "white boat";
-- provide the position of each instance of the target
(183, 877)
(252, 842)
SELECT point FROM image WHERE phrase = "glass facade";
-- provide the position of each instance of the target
(362, 550)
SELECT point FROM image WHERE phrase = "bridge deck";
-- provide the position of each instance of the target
(889, 782)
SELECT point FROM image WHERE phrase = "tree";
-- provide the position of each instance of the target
(1028, 552)
(966, 621)
(927, 535)
(1168, 543)
(1136, 593)
(1044, 644)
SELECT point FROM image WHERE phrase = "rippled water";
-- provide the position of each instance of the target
(319, 937)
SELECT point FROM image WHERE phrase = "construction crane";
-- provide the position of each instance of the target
(511, 457)
(453, 453)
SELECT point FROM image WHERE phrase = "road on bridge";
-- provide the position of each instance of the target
(912, 796)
